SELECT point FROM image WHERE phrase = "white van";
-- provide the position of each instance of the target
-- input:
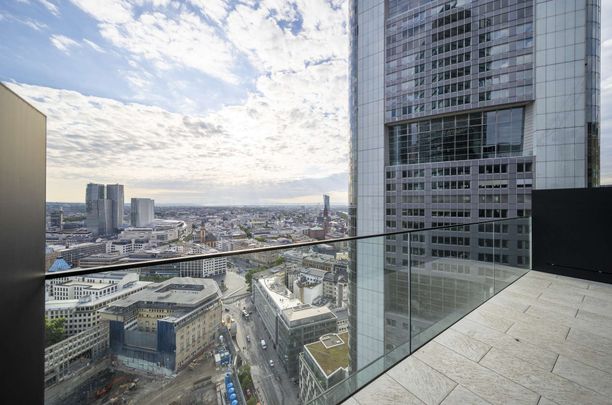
(263, 344)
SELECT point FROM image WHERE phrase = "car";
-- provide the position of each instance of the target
(271, 363)
(248, 338)
(226, 309)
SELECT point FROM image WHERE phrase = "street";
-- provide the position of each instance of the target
(272, 384)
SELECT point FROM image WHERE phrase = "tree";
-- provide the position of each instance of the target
(248, 277)
(54, 331)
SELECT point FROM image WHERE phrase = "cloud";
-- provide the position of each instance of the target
(98, 139)
(50, 6)
(93, 45)
(289, 131)
(167, 39)
(63, 43)
(216, 10)
(108, 11)
(35, 25)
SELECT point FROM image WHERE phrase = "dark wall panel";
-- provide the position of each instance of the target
(572, 232)
(22, 247)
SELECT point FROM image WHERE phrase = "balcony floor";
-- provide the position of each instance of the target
(546, 339)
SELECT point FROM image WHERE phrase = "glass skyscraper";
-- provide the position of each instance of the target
(458, 109)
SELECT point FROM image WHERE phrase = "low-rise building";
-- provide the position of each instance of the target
(101, 259)
(298, 326)
(306, 291)
(75, 253)
(62, 357)
(81, 314)
(323, 364)
(341, 319)
(289, 323)
(163, 327)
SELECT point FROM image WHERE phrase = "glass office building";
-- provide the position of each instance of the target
(458, 110)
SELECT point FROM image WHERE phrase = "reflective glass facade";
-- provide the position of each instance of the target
(483, 100)
(479, 135)
(456, 55)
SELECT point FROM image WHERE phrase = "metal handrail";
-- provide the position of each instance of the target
(189, 258)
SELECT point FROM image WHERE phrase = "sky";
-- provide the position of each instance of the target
(208, 102)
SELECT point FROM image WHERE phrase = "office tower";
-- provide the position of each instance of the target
(458, 109)
(57, 219)
(93, 193)
(114, 192)
(142, 211)
(326, 213)
(100, 219)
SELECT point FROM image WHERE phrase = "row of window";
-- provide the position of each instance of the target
(451, 213)
(406, 73)
(451, 102)
(498, 168)
(413, 212)
(450, 253)
(493, 213)
(491, 169)
(451, 32)
(451, 88)
(411, 109)
(451, 74)
(451, 18)
(450, 185)
(504, 33)
(450, 240)
(450, 171)
(451, 46)
(451, 60)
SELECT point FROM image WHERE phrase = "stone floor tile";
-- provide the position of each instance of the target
(549, 385)
(587, 376)
(514, 346)
(463, 396)
(488, 385)
(424, 382)
(464, 345)
(385, 391)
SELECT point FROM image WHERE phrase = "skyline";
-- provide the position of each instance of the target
(107, 77)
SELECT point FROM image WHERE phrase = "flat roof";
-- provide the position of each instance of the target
(93, 286)
(62, 304)
(183, 292)
(282, 297)
(305, 311)
(330, 352)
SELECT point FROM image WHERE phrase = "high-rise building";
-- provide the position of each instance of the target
(93, 194)
(100, 219)
(57, 219)
(326, 211)
(142, 211)
(114, 192)
(458, 109)
(326, 205)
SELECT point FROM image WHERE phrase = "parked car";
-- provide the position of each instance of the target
(248, 338)
(271, 363)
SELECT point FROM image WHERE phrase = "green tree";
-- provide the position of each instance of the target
(54, 331)
(248, 277)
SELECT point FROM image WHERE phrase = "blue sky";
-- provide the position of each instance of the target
(198, 101)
